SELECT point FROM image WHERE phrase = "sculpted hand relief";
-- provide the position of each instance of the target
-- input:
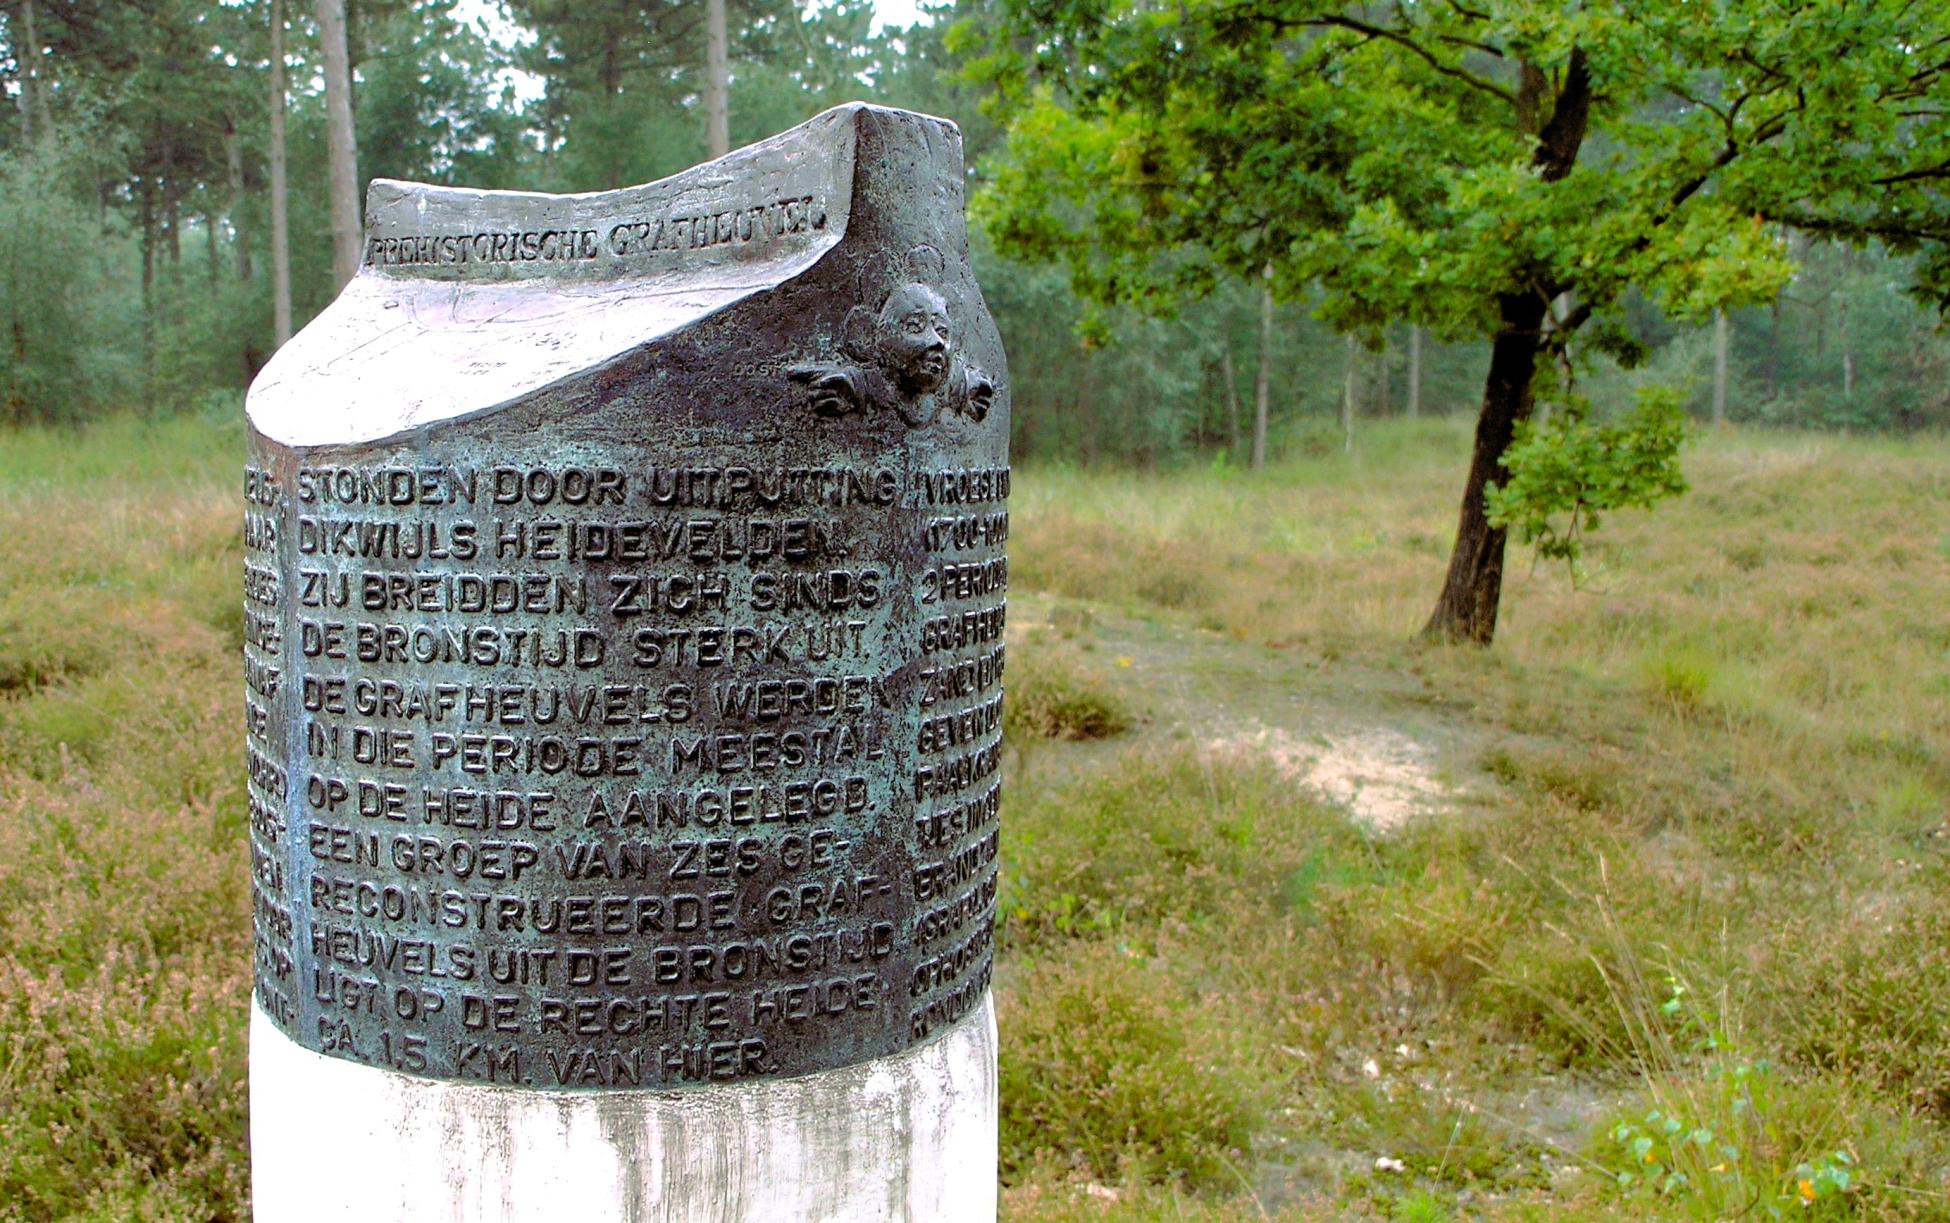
(625, 594)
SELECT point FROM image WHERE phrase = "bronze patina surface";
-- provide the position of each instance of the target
(625, 590)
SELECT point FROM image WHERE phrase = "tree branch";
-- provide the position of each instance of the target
(1578, 316)
(1939, 170)
(1891, 230)
(1559, 142)
(1418, 50)
(1457, 40)
(1725, 118)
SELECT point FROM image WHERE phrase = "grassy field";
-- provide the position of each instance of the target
(1663, 930)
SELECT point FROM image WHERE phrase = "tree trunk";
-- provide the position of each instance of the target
(24, 103)
(1821, 310)
(233, 155)
(1232, 396)
(1473, 590)
(147, 220)
(1719, 367)
(1263, 383)
(1775, 317)
(1414, 371)
(210, 247)
(717, 82)
(1350, 388)
(280, 216)
(33, 89)
(610, 76)
(172, 212)
(1087, 407)
(1844, 333)
(342, 151)
(1382, 404)
(545, 128)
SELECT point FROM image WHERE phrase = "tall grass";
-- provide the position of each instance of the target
(1724, 764)
(1726, 755)
(124, 930)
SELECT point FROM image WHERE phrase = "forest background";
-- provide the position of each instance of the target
(136, 233)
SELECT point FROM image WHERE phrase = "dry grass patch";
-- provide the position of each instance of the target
(1221, 999)
(124, 934)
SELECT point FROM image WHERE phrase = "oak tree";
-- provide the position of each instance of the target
(1511, 169)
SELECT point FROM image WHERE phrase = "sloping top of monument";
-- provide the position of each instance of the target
(469, 300)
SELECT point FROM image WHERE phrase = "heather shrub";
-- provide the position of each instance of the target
(1108, 1066)
(1174, 838)
(1881, 1009)
(124, 923)
(1221, 998)
(1053, 694)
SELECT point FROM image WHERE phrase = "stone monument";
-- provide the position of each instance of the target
(625, 586)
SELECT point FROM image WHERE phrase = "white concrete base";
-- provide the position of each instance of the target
(909, 1137)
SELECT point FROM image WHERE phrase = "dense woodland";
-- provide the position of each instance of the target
(137, 265)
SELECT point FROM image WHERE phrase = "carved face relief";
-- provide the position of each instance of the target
(915, 346)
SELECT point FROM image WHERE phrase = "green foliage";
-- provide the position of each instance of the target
(1105, 1070)
(430, 100)
(146, 105)
(1386, 159)
(1564, 476)
(1724, 1135)
(1123, 1057)
(1514, 171)
(1163, 840)
(617, 72)
(68, 346)
(1682, 676)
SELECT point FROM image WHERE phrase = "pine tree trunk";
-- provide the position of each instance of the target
(1774, 347)
(1473, 590)
(1414, 371)
(1383, 404)
(147, 221)
(280, 214)
(1263, 382)
(23, 102)
(1350, 388)
(342, 152)
(717, 81)
(610, 75)
(1844, 332)
(33, 89)
(30, 86)
(1232, 397)
(233, 155)
(1719, 368)
(172, 213)
(1087, 408)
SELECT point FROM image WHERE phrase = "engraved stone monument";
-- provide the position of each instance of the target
(625, 588)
